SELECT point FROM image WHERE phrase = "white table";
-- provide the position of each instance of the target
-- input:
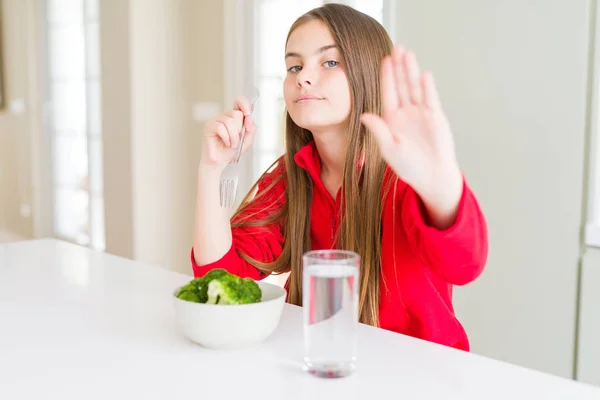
(79, 324)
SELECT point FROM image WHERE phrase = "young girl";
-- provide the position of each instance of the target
(369, 166)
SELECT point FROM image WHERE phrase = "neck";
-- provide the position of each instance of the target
(332, 146)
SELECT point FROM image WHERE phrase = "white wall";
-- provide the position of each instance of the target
(115, 67)
(512, 76)
(162, 218)
(18, 67)
(588, 365)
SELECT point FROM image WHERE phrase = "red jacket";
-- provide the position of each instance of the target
(416, 298)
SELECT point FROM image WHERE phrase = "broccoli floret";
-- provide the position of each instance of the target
(254, 292)
(191, 291)
(220, 287)
(230, 289)
(205, 280)
(189, 296)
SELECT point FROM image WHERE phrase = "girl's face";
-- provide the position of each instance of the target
(316, 91)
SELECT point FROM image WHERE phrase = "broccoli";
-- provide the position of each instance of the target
(206, 279)
(230, 289)
(220, 287)
(191, 291)
(253, 289)
(189, 296)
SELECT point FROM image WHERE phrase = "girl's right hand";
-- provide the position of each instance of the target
(222, 134)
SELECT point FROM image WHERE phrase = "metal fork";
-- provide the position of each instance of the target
(228, 191)
(228, 185)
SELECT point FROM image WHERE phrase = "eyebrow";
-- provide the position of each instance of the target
(320, 50)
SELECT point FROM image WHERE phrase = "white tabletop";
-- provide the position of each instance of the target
(80, 324)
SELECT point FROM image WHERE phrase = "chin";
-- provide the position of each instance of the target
(315, 122)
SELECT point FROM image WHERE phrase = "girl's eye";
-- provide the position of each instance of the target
(327, 64)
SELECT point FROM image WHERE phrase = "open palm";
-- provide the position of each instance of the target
(413, 133)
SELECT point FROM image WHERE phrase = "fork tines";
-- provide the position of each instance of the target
(227, 192)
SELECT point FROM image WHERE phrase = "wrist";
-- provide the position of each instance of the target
(209, 170)
(442, 198)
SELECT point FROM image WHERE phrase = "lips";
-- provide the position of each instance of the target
(307, 98)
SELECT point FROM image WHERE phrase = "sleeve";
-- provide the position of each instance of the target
(456, 255)
(262, 243)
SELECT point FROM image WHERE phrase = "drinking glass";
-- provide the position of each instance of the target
(330, 311)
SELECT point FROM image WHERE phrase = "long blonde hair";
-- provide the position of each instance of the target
(362, 43)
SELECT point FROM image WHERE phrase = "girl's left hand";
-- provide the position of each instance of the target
(413, 134)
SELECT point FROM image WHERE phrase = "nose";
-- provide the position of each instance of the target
(306, 77)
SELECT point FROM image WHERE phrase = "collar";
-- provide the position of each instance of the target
(308, 158)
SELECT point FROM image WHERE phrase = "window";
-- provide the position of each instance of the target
(73, 88)
(592, 231)
(274, 18)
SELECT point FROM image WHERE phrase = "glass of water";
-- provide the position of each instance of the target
(330, 310)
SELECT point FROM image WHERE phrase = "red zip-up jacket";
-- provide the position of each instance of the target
(416, 293)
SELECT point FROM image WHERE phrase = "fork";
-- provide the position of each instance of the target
(228, 191)
(228, 185)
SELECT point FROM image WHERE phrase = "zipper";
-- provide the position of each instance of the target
(334, 212)
(332, 228)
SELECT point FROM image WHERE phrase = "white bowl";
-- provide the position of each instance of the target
(231, 326)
